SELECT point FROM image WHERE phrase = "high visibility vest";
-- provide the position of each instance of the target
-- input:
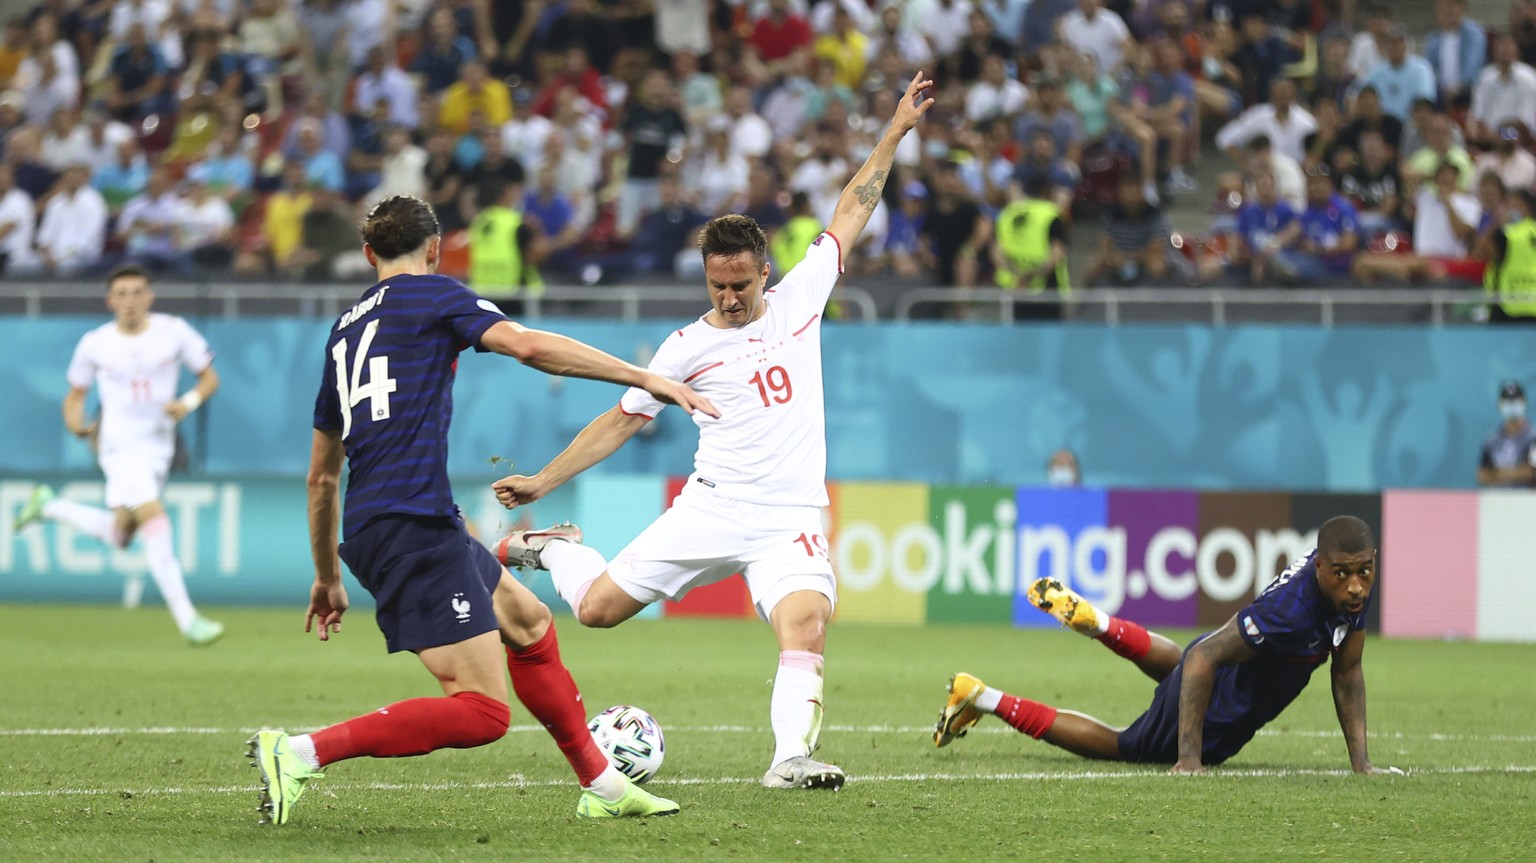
(1516, 272)
(791, 242)
(1024, 237)
(495, 262)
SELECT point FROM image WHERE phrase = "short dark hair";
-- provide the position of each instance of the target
(399, 225)
(127, 271)
(1345, 534)
(732, 235)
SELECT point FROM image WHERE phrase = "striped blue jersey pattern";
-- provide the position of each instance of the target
(387, 386)
(1293, 628)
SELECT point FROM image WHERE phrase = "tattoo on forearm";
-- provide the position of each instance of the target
(869, 193)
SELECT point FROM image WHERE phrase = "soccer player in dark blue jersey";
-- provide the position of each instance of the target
(1214, 697)
(384, 406)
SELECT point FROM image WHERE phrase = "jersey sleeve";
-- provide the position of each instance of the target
(82, 366)
(668, 362)
(1279, 622)
(467, 314)
(328, 401)
(811, 281)
(194, 352)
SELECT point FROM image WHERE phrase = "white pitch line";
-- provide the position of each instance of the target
(158, 730)
(1034, 776)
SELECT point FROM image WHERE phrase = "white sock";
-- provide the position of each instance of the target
(89, 520)
(163, 567)
(304, 747)
(573, 567)
(988, 700)
(609, 785)
(795, 711)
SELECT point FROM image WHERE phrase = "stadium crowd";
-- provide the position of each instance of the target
(587, 140)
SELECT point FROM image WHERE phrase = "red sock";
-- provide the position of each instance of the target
(1126, 639)
(1030, 717)
(545, 687)
(415, 727)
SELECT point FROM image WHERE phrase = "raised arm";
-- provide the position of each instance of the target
(555, 354)
(862, 194)
(601, 438)
(1222, 647)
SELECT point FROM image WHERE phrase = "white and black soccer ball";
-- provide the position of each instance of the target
(632, 740)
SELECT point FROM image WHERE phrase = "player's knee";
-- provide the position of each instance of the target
(598, 616)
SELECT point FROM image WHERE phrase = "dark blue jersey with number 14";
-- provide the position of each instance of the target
(388, 388)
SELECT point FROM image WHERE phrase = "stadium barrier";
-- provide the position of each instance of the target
(1454, 565)
(1273, 407)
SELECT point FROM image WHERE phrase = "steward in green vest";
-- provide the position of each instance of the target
(1032, 244)
(498, 243)
(1512, 264)
(792, 239)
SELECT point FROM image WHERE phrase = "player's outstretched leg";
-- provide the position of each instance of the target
(93, 521)
(283, 774)
(970, 699)
(1155, 655)
(545, 686)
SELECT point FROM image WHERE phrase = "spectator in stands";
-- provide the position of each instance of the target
(763, 199)
(719, 175)
(555, 217)
(136, 80)
(1493, 199)
(207, 227)
(893, 38)
(1040, 29)
(1399, 77)
(475, 92)
(1260, 58)
(683, 26)
(11, 118)
(987, 175)
(1509, 160)
(1281, 120)
(327, 233)
(1170, 109)
(1062, 470)
(270, 40)
(1098, 31)
(368, 23)
(1051, 113)
(282, 225)
(1219, 83)
(1522, 26)
(47, 91)
(588, 28)
(444, 52)
(213, 74)
(74, 225)
(1133, 240)
(1327, 235)
(149, 227)
(401, 168)
(1333, 79)
(1323, 146)
(1264, 225)
(225, 170)
(1031, 248)
(667, 231)
(1505, 93)
(65, 140)
(845, 49)
(1043, 167)
(698, 92)
(1374, 186)
(750, 134)
(382, 80)
(1456, 49)
(959, 233)
(321, 167)
(652, 128)
(124, 178)
(336, 133)
(18, 220)
(13, 50)
(1368, 47)
(996, 96)
(1367, 116)
(46, 41)
(776, 37)
(1091, 93)
(981, 41)
(905, 253)
(444, 182)
(1440, 147)
(1509, 457)
(1289, 180)
(1445, 222)
(102, 135)
(944, 22)
(492, 173)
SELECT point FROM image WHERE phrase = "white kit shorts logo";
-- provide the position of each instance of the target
(460, 607)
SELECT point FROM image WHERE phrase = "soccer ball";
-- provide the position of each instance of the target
(631, 739)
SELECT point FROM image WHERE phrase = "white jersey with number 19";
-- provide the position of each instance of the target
(770, 444)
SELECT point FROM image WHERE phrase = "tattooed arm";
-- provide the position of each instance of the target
(862, 194)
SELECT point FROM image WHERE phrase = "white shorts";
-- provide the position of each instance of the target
(135, 476)
(705, 538)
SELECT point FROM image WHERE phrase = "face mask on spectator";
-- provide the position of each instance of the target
(1512, 409)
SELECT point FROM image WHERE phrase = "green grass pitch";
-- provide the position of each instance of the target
(120, 743)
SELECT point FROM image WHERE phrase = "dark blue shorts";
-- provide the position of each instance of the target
(1154, 736)
(432, 582)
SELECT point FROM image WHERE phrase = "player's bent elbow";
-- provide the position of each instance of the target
(319, 481)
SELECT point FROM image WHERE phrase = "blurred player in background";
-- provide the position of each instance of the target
(134, 363)
(1214, 698)
(753, 504)
(384, 406)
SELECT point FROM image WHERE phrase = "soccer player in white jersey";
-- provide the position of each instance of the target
(135, 363)
(753, 503)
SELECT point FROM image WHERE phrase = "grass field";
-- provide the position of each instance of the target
(118, 742)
